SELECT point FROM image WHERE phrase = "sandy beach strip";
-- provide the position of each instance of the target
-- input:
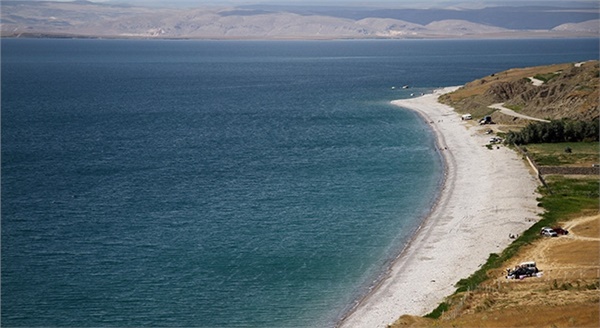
(487, 195)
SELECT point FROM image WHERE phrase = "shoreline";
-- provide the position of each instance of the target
(485, 195)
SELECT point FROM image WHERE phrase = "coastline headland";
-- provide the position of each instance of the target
(488, 194)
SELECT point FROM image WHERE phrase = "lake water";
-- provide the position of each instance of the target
(219, 184)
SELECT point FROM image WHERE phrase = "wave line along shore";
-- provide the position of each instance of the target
(486, 195)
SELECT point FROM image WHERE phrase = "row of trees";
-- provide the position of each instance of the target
(564, 130)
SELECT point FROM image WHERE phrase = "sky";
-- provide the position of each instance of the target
(365, 3)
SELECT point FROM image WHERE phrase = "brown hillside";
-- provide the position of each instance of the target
(548, 92)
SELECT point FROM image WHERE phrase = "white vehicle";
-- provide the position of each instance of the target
(466, 117)
(530, 265)
(549, 232)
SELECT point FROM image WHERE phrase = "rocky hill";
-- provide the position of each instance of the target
(546, 92)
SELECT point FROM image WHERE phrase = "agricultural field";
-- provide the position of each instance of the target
(565, 153)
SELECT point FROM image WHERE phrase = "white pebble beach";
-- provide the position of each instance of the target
(487, 195)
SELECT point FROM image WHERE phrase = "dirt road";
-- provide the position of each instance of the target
(510, 112)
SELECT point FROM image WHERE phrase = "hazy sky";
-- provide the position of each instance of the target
(365, 3)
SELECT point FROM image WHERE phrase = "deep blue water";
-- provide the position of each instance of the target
(219, 184)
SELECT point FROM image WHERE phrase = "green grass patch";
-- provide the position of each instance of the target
(516, 108)
(554, 154)
(479, 276)
(435, 314)
(547, 160)
(545, 77)
(569, 195)
(582, 147)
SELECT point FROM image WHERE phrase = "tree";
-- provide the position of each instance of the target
(564, 130)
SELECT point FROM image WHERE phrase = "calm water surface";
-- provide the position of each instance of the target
(219, 184)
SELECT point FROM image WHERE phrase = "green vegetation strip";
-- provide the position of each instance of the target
(571, 196)
(516, 108)
(553, 154)
(443, 307)
(545, 77)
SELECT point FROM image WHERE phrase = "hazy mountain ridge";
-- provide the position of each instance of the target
(86, 19)
(508, 17)
(587, 26)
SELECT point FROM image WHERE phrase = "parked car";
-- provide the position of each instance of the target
(525, 269)
(560, 231)
(486, 120)
(548, 232)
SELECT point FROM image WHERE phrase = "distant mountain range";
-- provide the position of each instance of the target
(102, 20)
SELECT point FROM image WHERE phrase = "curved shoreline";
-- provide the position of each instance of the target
(485, 196)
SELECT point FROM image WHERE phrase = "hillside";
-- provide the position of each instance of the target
(105, 20)
(545, 92)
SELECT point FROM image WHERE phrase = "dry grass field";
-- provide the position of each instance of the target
(566, 295)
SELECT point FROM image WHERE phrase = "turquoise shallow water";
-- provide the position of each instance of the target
(216, 184)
